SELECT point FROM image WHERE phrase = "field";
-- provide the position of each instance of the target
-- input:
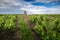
(29, 27)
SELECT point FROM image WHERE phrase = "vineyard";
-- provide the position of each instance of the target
(29, 27)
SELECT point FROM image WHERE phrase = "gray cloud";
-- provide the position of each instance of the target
(46, 1)
(9, 4)
(22, 5)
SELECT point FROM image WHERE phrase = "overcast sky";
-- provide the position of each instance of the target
(31, 6)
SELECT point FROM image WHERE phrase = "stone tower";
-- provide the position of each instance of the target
(25, 13)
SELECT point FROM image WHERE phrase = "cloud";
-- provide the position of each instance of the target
(33, 9)
(29, 7)
(29, 0)
(9, 4)
(43, 1)
(46, 1)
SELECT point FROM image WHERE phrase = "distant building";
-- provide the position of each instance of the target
(25, 12)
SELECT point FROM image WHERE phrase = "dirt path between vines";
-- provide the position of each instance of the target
(30, 26)
(16, 37)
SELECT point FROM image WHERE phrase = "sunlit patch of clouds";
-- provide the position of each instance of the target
(40, 9)
(9, 4)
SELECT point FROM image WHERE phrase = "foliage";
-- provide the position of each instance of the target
(47, 26)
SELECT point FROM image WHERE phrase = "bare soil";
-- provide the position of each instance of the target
(30, 26)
